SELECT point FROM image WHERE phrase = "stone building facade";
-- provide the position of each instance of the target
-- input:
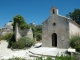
(57, 30)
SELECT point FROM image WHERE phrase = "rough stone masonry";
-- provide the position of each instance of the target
(57, 30)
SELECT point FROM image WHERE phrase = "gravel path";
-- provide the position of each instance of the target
(3, 48)
(8, 53)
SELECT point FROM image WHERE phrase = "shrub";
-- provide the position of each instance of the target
(62, 57)
(39, 37)
(77, 48)
(29, 42)
(49, 58)
(2, 38)
(75, 42)
(21, 22)
(16, 58)
(20, 44)
(6, 36)
(37, 31)
(39, 58)
(11, 40)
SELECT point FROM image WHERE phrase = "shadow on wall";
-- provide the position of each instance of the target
(23, 32)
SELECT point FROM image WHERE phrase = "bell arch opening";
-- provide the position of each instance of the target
(53, 11)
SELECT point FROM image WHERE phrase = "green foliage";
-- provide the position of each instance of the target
(11, 40)
(62, 57)
(34, 31)
(21, 22)
(48, 58)
(20, 44)
(77, 47)
(75, 15)
(2, 38)
(37, 32)
(39, 58)
(29, 42)
(6, 37)
(39, 36)
(16, 58)
(39, 28)
(23, 42)
(75, 42)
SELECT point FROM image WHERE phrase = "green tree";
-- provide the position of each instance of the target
(21, 22)
(39, 28)
(37, 32)
(75, 15)
(75, 42)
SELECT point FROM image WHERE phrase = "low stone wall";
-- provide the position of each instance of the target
(27, 33)
(77, 55)
(20, 33)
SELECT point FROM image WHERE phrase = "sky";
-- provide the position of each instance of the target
(34, 11)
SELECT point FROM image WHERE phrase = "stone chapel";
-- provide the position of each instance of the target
(57, 29)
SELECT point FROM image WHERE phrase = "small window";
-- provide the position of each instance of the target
(54, 24)
(53, 11)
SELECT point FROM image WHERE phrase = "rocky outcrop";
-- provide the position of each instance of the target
(8, 28)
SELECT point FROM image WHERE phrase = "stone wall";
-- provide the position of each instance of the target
(55, 24)
(20, 33)
(62, 26)
(74, 29)
(76, 55)
(61, 29)
(16, 32)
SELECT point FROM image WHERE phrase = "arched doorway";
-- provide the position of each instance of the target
(54, 39)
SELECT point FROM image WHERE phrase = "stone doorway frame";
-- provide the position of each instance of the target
(54, 40)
